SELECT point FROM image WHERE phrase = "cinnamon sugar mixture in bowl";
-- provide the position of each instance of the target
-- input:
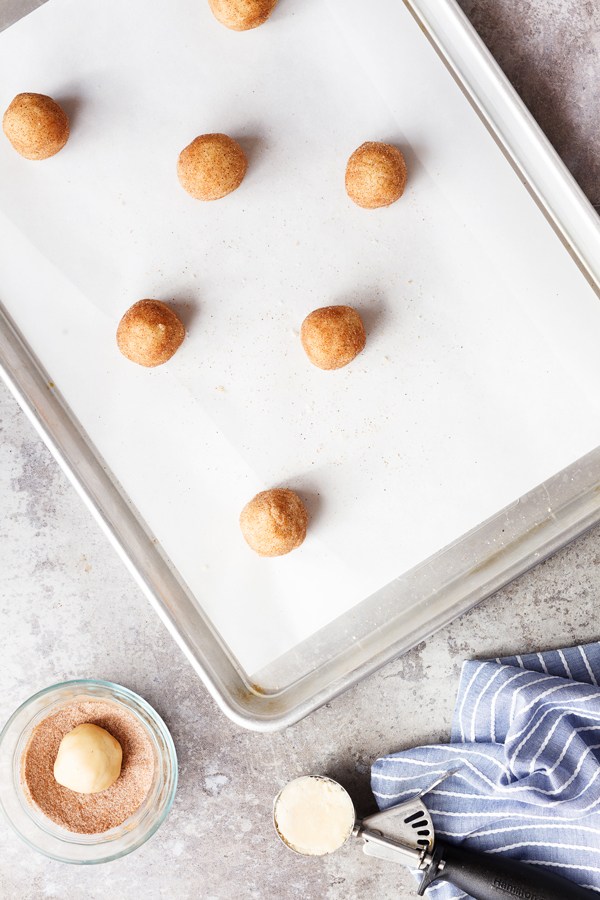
(86, 828)
(88, 813)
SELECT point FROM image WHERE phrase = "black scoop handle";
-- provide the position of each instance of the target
(487, 876)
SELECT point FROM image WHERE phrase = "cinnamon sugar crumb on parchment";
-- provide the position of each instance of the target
(88, 813)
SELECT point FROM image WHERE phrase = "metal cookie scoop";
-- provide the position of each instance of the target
(405, 834)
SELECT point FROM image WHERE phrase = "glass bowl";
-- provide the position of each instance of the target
(40, 832)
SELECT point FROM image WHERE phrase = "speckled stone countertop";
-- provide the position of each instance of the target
(69, 609)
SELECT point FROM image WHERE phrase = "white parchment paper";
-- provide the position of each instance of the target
(478, 380)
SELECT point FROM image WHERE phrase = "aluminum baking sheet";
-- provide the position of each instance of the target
(474, 387)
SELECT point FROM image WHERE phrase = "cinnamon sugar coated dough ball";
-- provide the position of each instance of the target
(274, 522)
(333, 336)
(375, 175)
(211, 167)
(150, 333)
(36, 126)
(241, 15)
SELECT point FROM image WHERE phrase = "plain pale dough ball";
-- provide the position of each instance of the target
(241, 15)
(36, 126)
(333, 336)
(314, 815)
(375, 175)
(211, 167)
(150, 333)
(88, 760)
(274, 522)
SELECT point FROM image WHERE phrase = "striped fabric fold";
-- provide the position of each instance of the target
(526, 746)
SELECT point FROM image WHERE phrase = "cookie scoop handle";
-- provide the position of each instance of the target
(485, 876)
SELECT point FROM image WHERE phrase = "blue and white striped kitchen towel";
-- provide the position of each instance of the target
(526, 743)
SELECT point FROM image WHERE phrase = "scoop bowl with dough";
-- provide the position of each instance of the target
(88, 760)
(313, 815)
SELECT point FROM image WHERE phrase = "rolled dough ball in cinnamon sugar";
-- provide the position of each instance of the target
(36, 126)
(333, 336)
(375, 175)
(242, 15)
(211, 167)
(150, 333)
(274, 522)
(89, 759)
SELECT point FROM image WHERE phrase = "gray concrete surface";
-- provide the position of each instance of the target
(69, 609)
(550, 51)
